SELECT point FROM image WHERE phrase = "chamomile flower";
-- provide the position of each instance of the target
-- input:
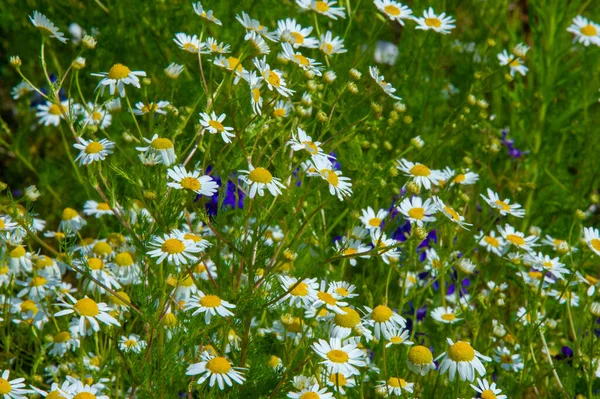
(51, 113)
(71, 221)
(142, 108)
(254, 25)
(343, 289)
(159, 150)
(330, 300)
(282, 109)
(585, 31)
(192, 181)
(299, 293)
(213, 124)
(216, 369)
(273, 78)
(98, 270)
(232, 64)
(372, 220)
(450, 213)
(19, 260)
(257, 42)
(420, 360)
(210, 305)
(514, 63)
(380, 80)
(97, 209)
(340, 357)
(325, 7)
(592, 238)
(21, 90)
(463, 358)
(385, 247)
(89, 312)
(517, 238)
(504, 206)
(132, 343)
(117, 77)
(305, 63)
(439, 23)
(551, 265)
(520, 50)
(174, 70)
(508, 361)
(330, 45)
(563, 296)
(352, 248)
(383, 319)
(311, 392)
(339, 382)
(37, 288)
(213, 46)
(466, 179)
(83, 390)
(394, 10)
(347, 323)
(93, 151)
(188, 43)
(487, 390)
(492, 242)
(96, 115)
(302, 141)
(394, 386)
(174, 248)
(558, 244)
(397, 336)
(257, 179)
(339, 185)
(64, 341)
(445, 314)
(207, 15)
(289, 31)
(47, 27)
(416, 211)
(420, 174)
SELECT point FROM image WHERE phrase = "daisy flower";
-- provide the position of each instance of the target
(305, 63)
(386, 247)
(174, 70)
(97, 209)
(151, 108)
(416, 211)
(379, 79)
(19, 260)
(466, 179)
(21, 90)
(339, 357)
(89, 312)
(585, 31)
(214, 46)
(132, 343)
(13, 389)
(492, 243)
(255, 83)
(520, 50)
(81, 390)
(46, 26)
(330, 300)
(487, 390)
(302, 141)
(439, 23)
(372, 220)
(207, 15)
(282, 109)
(205, 268)
(188, 43)
(303, 294)
(394, 10)
(71, 221)
(592, 238)
(254, 25)
(558, 244)
(330, 45)
(159, 150)
(216, 369)
(92, 151)
(462, 357)
(563, 296)
(420, 174)
(193, 181)
(383, 319)
(96, 115)
(97, 269)
(288, 30)
(56, 391)
(394, 386)
(174, 248)
(325, 7)
(508, 361)
(213, 124)
(343, 289)
(347, 323)
(546, 263)
(257, 179)
(338, 382)
(517, 238)
(397, 336)
(420, 360)
(450, 213)
(444, 315)
(117, 77)
(51, 114)
(259, 44)
(312, 392)
(514, 63)
(272, 77)
(339, 185)
(593, 282)
(505, 207)
(210, 305)
(231, 64)
(38, 287)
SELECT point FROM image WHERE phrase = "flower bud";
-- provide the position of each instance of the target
(15, 61)
(352, 88)
(407, 119)
(322, 117)
(417, 142)
(32, 193)
(355, 74)
(413, 187)
(579, 214)
(420, 233)
(399, 107)
(89, 42)
(79, 63)
(329, 77)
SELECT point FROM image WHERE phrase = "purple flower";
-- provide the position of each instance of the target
(513, 152)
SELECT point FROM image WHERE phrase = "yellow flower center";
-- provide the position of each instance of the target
(327, 298)
(433, 22)
(173, 246)
(535, 275)
(161, 144)
(349, 319)
(190, 47)
(327, 48)
(256, 95)
(29, 306)
(591, 280)
(396, 382)
(488, 394)
(187, 282)
(149, 108)
(506, 359)
(190, 183)
(279, 112)
(459, 178)
(453, 214)
(515, 239)
(374, 222)
(93, 147)
(260, 175)
(420, 170)
(55, 395)
(310, 395)
(342, 291)
(218, 365)
(118, 301)
(298, 38)
(595, 243)
(461, 352)
(381, 314)
(396, 340)
(124, 259)
(274, 78)
(18, 252)
(350, 251)
(118, 71)
(200, 268)
(337, 356)
(448, 316)
(274, 361)
(61, 337)
(87, 307)
(218, 126)
(420, 355)
(331, 176)
(338, 379)
(589, 30)
(38, 281)
(103, 206)
(417, 213)
(130, 343)
(300, 290)
(102, 248)
(310, 147)
(210, 301)
(302, 60)
(322, 6)
(392, 10)
(56, 109)
(514, 63)
(234, 63)
(491, 241)
(97, 116)
(69, 213)
(84, 395)
(503, 205)
(5, 386)
(3, 270)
